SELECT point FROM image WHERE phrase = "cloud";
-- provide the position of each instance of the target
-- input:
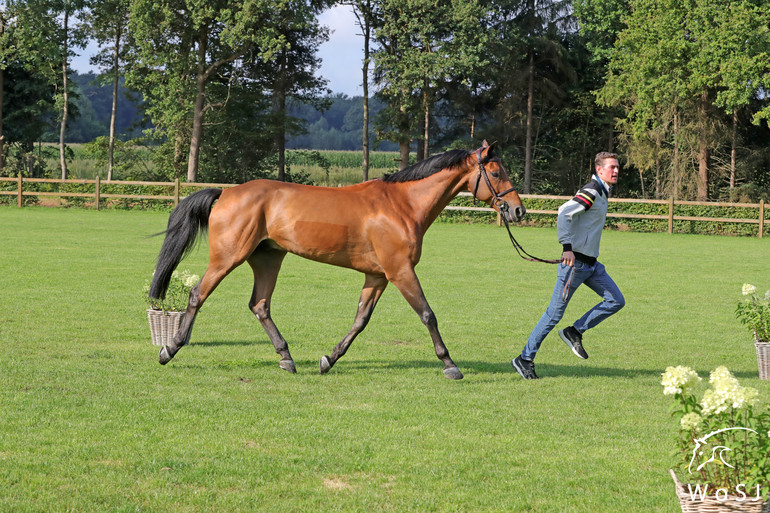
(342, 56)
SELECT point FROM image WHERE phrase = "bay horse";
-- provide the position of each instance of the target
(375, 227)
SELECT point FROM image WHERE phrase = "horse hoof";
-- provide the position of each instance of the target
(288, 366)
(164, 357)
(325, 365)
(453, 373)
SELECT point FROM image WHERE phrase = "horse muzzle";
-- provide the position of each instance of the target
(511, 213)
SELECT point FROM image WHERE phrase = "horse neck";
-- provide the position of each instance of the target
(429, 196)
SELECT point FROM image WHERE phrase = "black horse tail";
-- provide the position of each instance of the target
(188, 219)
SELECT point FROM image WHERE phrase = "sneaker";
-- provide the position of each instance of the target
(574, 340)
(524, 367)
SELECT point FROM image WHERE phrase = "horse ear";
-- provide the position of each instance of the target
(484, 144)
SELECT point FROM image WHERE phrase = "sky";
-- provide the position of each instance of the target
(341, 57)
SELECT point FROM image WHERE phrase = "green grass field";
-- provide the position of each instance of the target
(91, 422)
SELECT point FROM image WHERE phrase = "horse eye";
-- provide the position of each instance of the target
(495, 174)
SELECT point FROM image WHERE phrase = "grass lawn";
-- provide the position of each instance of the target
(91, 422)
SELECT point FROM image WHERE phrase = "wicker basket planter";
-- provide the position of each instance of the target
(717, 504)
(763, 357)
(163, 325)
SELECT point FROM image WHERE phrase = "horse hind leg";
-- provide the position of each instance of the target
(266, 263)
(373, 289)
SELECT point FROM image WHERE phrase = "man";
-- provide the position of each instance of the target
(579, 226)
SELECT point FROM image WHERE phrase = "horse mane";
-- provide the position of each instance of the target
(427, 167)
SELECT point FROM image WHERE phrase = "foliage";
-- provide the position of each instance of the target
(716, 425)
(754, 312)
(672, 64)
(132, 159)
(421, 45)
(177, 294)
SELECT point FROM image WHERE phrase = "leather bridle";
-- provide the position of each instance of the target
(503, 206)
(497, 199)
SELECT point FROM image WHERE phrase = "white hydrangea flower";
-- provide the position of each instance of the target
(678, 380)
(746, 396)
(748, 289)
(722, 379)
(713, 403)
(691, 422)
(727, 393)
(191, 280)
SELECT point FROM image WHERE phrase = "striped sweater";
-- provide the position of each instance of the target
(581, 220)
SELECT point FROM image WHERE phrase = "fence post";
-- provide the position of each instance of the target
(671, 215)
(98, 184)
(176, 191)
(761, 218)
(20, 189)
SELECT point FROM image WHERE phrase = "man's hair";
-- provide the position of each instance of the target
(601, 157)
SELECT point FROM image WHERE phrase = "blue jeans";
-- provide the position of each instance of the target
(596, 277)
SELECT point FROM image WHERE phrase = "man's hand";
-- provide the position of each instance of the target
(568, 258)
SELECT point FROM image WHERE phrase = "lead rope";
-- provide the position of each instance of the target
(503, 206)
(520, 249)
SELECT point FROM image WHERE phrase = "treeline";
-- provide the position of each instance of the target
(679, 90)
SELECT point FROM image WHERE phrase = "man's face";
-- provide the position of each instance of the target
(608, 171)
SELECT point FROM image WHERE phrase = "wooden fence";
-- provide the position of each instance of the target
(98, 197)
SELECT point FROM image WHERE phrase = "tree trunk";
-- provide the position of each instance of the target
(676, 153)
(426, 126)
(178, 153)
(2, 136)
(367, 34)
(279, 111)
(198, 112)
(734, 148)
(403, 148)
(530, 109)
(65, 109)
(703, 158)
(658, 143)
(2, 99)
(114, 115)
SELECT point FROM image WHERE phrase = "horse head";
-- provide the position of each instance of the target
(490, 183)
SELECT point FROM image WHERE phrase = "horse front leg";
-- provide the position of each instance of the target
(407, 283)
(373, 288)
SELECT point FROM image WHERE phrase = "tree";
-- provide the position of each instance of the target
(422, 45)
(69, 34)
(366, 15)
(532, 69)
(108, 22)
(735, 52)
(27, 81)
(183, 48)
(687, 55)
(290, 72)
